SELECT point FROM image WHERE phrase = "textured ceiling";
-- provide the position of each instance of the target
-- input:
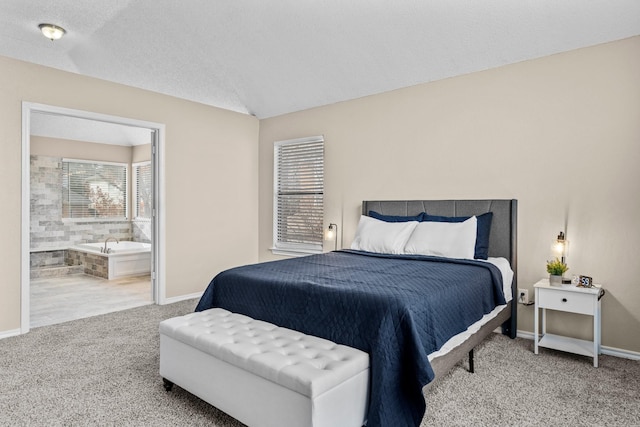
(273, 57)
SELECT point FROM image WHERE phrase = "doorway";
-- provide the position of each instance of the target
(33, 116)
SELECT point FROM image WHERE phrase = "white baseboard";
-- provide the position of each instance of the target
(609, 351)
(181, 298)
(524, 334)
(11, 333)
(619, 352)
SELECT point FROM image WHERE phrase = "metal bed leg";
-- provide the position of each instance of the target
(471, 361)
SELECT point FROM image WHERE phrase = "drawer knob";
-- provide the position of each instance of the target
(564, 300)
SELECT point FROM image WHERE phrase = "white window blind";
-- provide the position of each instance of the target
(299, 195)
(142, 190)
(94, 189)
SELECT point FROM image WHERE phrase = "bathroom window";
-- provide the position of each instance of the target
(298, 196)
(95, 190)
(142, 190)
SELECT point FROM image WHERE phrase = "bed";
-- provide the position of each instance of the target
(381, 304)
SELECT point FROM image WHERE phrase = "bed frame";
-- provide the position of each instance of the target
(502, 243)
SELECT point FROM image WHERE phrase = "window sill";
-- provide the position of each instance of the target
(295, 252)
(102, 219)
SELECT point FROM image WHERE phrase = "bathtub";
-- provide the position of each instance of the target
(124, 259)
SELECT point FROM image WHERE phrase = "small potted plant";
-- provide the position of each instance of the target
(556, 270)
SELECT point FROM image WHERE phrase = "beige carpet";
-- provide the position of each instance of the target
(104, 371)
(514, 387)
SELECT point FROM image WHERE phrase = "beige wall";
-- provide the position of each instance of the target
(211, 164)
(561, 134)
(141, 153)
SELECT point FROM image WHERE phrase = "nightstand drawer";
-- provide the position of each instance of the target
(566, 301)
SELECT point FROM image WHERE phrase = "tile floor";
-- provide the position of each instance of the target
(60, 299)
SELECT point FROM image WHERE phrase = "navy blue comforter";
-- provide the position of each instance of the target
(396, 308)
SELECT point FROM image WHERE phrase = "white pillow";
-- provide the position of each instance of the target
(445, 239)
(382, 237)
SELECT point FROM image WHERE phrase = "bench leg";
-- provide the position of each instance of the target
(168, 385)
(471, 361)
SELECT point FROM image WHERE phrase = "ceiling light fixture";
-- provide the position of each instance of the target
(52, 32)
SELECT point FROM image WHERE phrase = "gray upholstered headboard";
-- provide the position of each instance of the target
(502, 240)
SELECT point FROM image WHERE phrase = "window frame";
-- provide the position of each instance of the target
(283, 247)
(125, 198)
(134, 195)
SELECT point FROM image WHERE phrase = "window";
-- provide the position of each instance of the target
(298, 210)
(142, 191)
(95, 190)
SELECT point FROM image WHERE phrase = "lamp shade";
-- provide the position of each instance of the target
(331, 234)
(560, 246)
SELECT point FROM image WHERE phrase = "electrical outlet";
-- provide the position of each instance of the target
(523, 296)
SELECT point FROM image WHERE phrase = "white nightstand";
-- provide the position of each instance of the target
(574, 300)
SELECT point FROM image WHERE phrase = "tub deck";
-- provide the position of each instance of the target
(124, 259)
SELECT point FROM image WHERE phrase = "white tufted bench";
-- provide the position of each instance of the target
(262, 374)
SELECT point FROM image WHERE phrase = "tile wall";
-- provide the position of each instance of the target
(48, 230)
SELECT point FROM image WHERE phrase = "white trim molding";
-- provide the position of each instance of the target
(179, 298)
(525, 334)
(619, 352)
(158, 252)
(10, 333)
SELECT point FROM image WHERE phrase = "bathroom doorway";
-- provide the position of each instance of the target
(70, 226)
